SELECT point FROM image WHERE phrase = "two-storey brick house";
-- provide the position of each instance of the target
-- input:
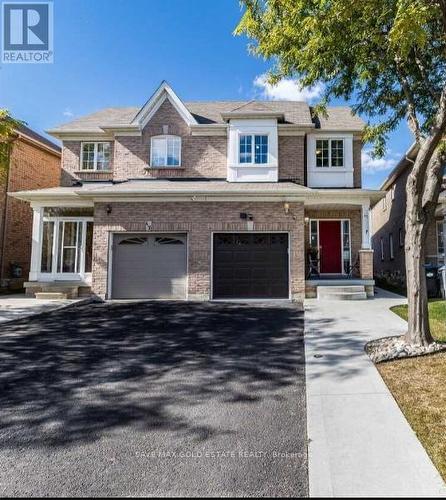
(205, 200)
(388, 222)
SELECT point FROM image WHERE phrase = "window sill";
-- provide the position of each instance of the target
(166, 167)
(93, 171)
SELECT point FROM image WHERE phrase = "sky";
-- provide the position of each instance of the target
(116, 52)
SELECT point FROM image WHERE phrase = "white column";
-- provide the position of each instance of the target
(36, 243)
(366, 225)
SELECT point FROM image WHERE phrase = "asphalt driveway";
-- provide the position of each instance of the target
(154, 399)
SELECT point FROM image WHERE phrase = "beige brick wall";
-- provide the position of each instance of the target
(357, 163)
(354, 214)
(199, 220)
(292, 158)
(201, 156)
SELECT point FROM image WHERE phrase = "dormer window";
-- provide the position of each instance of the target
(165, 151)
(253, 149)
(96, 156)
(329, 153)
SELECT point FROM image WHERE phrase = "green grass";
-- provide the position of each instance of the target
(437, 317)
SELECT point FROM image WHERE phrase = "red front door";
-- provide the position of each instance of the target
(330, 246)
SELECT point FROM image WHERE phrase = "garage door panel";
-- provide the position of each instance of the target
(149, 266)
(250, 265)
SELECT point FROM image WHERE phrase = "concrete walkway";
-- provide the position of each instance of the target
(18, 306)
(360, 444)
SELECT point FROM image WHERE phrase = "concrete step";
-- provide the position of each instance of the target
(51, 295)
(354, 292)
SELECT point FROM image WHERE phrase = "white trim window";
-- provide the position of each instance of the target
(96, 156)
(66, 246)
(165, 151)
(253, 149)
(330, 153)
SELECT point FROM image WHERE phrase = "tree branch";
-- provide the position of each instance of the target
(411, 108)
(435, 95)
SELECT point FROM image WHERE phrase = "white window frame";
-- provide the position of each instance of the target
(55, 274)
(165, 137)
(253, 140)
(95, 158)
(330, 165)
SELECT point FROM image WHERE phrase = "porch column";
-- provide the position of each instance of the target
(35, 245)
(366, 225)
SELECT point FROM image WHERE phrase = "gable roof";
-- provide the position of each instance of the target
(27, 133)
(196, 113)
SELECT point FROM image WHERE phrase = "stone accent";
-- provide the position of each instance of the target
(389, 348)
(366, 264)
(30, 167)
(198, 220)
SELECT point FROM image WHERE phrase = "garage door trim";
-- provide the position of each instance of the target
(130, 233)
(213, 233)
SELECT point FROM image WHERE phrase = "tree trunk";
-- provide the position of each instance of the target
(418, 315)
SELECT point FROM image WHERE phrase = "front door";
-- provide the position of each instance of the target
(330, 246)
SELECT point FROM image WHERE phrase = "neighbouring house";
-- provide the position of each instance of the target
(388, 219)
(205, 200)
(32, 162)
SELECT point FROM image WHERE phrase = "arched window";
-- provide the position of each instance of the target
(165, 151)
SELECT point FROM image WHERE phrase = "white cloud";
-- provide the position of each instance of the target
(372, 165)
(288, 89)
(68, 113)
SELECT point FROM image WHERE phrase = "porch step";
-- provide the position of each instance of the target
(352, 292)
(51, 295)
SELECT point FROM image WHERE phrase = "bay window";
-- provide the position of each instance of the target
(96, 156)
(165, 151)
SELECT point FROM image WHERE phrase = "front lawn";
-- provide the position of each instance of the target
(418, 385)
(437, 317)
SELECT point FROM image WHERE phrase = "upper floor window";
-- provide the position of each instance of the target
(253, 149)
(329, 152)
(96, 156)
(165, 151)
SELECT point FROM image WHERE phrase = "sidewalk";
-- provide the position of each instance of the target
(360, 444)
(18, 306)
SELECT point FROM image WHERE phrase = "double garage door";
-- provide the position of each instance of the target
(245, 265)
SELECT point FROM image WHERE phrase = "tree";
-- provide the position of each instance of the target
(8, 126)
(389, 58)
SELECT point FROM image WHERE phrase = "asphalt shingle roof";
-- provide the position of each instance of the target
(210, 112)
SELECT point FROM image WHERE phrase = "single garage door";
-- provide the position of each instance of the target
(250, 266)
(149, 266)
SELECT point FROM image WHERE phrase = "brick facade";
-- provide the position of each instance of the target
(198, 220)
(30, 167)
(357, 163)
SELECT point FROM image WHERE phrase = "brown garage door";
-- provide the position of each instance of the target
(250, 266)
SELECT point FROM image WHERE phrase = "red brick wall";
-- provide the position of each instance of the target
(30, 168)
(199, 220)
